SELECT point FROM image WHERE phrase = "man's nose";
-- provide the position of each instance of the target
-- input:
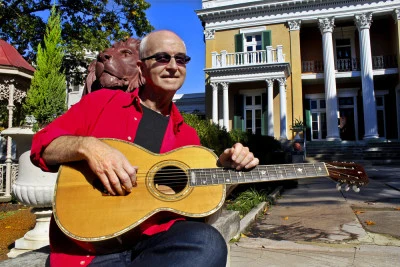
(172, 64)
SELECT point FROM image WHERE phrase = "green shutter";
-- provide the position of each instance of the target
(266, 39)
(239, 42)
(238, 119)
(264, 115)
(307, 114)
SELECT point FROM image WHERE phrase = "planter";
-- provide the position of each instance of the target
(34, 188)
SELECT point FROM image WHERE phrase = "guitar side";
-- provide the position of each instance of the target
(84, 212)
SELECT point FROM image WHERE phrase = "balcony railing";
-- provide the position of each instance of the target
(342, 65)
(270, 55)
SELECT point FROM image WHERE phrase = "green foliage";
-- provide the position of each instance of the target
(247, 200)
(90, 25)
(211, 135)
(298, 124)
(218, 139)
(46, 97)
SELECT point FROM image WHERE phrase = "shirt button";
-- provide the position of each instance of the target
(129, 138)
(135, 118)
(82, 263)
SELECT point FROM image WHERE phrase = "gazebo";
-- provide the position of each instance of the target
(15, 78)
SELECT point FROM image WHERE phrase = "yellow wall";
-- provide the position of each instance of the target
(224, 40)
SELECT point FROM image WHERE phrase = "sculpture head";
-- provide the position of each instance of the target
(115, 68)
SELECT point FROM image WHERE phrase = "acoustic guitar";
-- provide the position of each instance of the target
(85, 212)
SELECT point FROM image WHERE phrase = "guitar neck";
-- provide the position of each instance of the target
(261, 173)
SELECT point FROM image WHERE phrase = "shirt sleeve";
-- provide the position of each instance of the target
(76, 121)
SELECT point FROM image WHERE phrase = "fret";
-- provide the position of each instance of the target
(262, 173)
(273, 175)
(291, 172)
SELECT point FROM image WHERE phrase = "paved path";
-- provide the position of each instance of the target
(316, 225)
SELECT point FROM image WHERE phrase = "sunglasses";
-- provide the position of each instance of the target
(165, 58)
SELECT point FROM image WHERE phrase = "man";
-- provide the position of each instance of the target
(148, 118)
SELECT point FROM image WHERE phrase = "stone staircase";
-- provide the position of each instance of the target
(362, 152)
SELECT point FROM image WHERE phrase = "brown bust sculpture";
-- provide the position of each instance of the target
(115, 68)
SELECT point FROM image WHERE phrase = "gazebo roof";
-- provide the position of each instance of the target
(9, 56)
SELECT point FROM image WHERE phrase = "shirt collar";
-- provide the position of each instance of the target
(175, 114)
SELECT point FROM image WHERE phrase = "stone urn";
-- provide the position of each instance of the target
(34, 188)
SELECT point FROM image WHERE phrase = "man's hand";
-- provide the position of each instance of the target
(113, 169)
(238, 157)
(111, 166)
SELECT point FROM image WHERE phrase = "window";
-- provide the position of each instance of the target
(253, 114)
(380, 115)
(250, 46)
(318, 119)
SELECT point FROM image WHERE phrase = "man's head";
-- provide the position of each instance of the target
(116, 68)
(163, 61)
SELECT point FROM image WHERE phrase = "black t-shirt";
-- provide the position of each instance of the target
(151, 130)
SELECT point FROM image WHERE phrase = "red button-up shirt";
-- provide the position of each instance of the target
(103, 114)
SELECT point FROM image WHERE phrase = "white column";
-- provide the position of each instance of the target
(214, 102)
(326, 26)
(283, 112)
(270, 101)
(363, 23)
(10, 108)
(225, 98)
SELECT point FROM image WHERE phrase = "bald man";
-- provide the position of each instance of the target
(147, 117)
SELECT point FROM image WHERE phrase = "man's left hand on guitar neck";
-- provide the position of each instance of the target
(237, 157)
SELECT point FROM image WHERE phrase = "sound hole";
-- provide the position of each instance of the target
(170, 180)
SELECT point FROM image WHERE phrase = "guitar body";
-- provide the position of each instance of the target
(84, 212)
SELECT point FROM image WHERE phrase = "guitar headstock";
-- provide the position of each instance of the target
(348, 173)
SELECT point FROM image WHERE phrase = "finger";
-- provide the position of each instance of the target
(133, 176)
(104, 180)
(241, 154)
(115, 183)
(252, 163)
(125, 181)
(245, 161)
(127, 177)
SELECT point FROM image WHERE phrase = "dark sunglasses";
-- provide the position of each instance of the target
(163, 57)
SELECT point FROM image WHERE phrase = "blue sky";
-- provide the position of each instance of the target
(179, 16)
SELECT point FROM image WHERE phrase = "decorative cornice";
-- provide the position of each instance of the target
(294, 25)
(396, 15)
(326, 24)
(363, 21)
(209, 34)
(255, 13)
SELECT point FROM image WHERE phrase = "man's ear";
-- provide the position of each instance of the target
(141, 79)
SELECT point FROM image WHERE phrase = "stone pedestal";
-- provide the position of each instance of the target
(34, 188)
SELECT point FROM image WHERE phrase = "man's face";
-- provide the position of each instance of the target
(163, 76)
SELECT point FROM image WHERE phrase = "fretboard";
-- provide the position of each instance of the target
(261, 173)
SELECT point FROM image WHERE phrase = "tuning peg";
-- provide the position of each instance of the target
(347, 188)
(356, 188)
(339, 186)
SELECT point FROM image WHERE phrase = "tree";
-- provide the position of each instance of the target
(90, 25)
(46, 96)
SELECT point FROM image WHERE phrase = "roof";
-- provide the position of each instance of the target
(9, 56)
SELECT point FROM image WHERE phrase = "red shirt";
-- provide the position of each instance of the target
(103, 114)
